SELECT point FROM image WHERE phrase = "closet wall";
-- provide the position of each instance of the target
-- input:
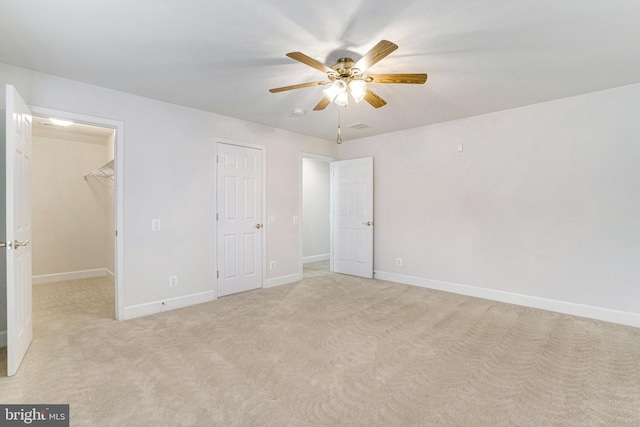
(72, 216)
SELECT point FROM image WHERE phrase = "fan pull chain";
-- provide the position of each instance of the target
(339, 138)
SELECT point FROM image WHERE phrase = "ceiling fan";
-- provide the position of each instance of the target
(349, 77)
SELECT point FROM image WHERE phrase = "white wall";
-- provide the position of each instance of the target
(69, 214)
(542, 202)
(168, 174)
(315, 209)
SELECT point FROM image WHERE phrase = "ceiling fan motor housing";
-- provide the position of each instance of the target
(344, 70)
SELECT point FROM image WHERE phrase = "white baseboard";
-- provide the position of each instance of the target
(608, 315)
(283, 280)
(72, 275)
(315, 258)
(3, 339)
(154, 307)
(110, 274)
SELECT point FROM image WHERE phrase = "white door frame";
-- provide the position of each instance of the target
(263, 213)
(118, 189)
(329, 160)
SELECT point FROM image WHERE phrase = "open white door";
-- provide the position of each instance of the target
(239, 218)
(18, 219)
(352, 217)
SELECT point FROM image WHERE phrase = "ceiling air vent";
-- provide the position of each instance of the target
(359, 126)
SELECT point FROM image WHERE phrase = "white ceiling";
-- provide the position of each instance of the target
(223, 56)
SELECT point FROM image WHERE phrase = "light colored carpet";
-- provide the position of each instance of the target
(330, 350)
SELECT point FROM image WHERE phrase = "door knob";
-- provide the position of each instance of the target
(368, 223)
(5, 245)
(258, 225)
(16, 243)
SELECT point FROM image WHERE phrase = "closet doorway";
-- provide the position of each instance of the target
(73, 187)
(315, 212)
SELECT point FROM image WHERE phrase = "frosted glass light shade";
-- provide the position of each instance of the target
(342, 99)
(337, 87)
(358, 89)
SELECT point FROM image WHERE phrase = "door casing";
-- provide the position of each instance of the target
(118, 126)
(300, 209)
(332, 161)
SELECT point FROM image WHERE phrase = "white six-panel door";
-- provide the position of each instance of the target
(352, 217)
(18, 218)
(239, 228)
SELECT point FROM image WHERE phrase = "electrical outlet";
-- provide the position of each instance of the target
(155, 225)
(399, 262)
(173, 281)
(272, 265)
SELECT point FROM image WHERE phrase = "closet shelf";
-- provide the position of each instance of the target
(105, 174)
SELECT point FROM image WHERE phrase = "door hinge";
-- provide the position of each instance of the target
(218, 274)
(217, 159)
(217, 217)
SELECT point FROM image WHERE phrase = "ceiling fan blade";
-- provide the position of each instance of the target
(300, 86)
(299, 56)
(378, 52)
(398, 78)
(322, 104)
(374, 99)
